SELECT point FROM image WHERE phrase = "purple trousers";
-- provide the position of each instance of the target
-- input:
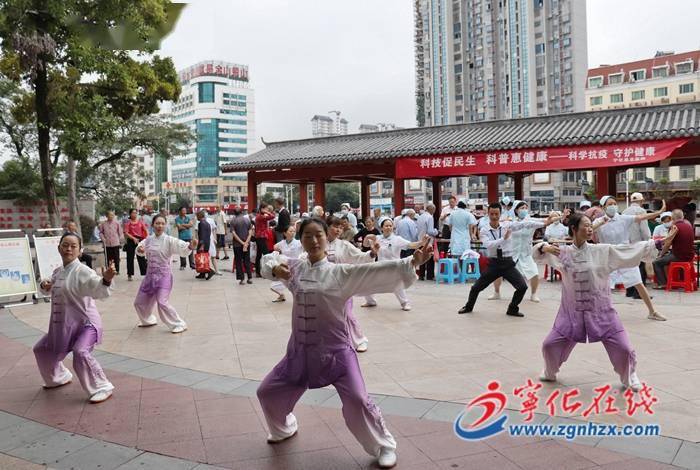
(556, 349)
(354, 330)
(156, 291)
(278, 395)
(89, 372)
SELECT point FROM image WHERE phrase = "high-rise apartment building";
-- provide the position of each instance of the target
(379, 127)
(218, 104)
(480, 60)
(324, 126)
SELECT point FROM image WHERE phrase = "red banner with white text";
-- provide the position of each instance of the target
(538, 160)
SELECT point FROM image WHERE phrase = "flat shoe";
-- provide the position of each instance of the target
(368, 305)
(146, 325)
(656, 316)
(99, 397)
(179, 329)
(277, 440)
(279, 300)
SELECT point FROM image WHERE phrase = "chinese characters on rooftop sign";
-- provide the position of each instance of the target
(538, 160)
(215, 68)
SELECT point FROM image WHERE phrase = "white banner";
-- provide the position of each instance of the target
(47, 256)
(16, 270)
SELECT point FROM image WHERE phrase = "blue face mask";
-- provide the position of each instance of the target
(523, 213)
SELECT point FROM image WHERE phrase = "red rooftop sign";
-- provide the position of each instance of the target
(538, 160)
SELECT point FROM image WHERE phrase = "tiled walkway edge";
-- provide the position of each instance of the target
(42, 444)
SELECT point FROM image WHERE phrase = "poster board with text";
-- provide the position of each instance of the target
(16, 269)
(47, 256)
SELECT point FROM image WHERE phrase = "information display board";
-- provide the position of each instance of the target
(16, 270)
(47, 256)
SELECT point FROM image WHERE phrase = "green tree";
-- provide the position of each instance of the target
(46, 50)
(20, 181)
(338, 193)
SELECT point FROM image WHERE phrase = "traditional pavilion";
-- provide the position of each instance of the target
(605, 141)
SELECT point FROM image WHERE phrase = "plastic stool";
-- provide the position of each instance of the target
(450, 273)
(688, 282)
(464, 274)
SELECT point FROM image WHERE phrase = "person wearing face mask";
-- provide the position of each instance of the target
(638, 232)
(661, 230)
(614, 229)
(504, 253)
(522, 247)
(346, 211)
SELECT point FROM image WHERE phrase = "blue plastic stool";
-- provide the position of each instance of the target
(450, 273)
(465, 274)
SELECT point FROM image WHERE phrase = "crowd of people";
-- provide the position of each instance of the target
(325, 260)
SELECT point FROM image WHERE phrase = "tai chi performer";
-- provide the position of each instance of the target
(390, 247)
(614, 229)
(75, 324)
(343, 252)
(522, 248)
(291, 248)
(155, 288)
(319, 351)
(586, 313)
(497, 239)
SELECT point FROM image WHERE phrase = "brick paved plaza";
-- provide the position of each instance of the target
(188, 401)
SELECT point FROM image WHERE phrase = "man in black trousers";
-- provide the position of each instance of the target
(496, 238)
(283, 219)
(204, 240)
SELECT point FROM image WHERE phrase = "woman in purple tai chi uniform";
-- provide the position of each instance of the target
(319, 351)
(75, 324)
(159, 249)
(586, 313)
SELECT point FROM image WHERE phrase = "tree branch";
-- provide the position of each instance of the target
(111, 158)
(57, 154)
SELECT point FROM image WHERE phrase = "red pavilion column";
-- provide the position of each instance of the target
(492, 185)
(303, 198)
(399, 199)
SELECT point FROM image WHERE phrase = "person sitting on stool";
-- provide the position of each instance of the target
(496, 239)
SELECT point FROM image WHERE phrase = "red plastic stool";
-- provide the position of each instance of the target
(687, 282)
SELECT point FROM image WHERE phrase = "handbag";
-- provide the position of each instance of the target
(201, 262)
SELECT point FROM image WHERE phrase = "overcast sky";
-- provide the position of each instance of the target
(308, 57)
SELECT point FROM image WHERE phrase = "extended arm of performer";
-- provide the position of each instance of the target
(384, 276)
(629, 256)
(90, 284)
(353, 255)
(544, 253)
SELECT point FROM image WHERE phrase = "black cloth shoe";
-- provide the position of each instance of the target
(225, 258)
(210, 274)
(421, 279)
(200, 276)
(465, 309)
(250, 281)
(242, 282)
(514, 313)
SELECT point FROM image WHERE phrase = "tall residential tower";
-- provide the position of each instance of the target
(480, 60)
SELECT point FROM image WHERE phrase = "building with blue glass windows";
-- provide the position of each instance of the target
(218, 104)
